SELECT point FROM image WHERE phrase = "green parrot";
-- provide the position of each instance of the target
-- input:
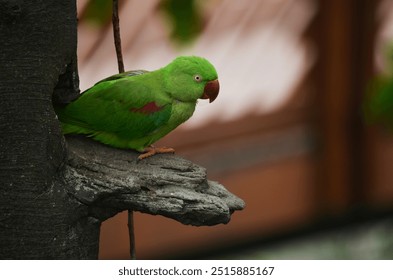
(134, 109)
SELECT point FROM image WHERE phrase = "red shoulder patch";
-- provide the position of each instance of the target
(149, 108)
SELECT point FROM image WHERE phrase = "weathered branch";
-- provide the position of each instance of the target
(111, 180)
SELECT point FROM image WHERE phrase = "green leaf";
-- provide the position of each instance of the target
(185, 19)
(98, 12)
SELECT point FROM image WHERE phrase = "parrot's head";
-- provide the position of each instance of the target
(189, 78)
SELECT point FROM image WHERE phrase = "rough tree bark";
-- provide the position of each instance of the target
(54, 193)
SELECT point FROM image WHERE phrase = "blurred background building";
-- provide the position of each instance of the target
(286, 133)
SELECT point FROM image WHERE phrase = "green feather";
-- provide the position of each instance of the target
(136, 108)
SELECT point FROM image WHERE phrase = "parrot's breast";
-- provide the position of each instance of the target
(181, 111)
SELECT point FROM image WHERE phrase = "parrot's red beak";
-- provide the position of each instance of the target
(211, 90)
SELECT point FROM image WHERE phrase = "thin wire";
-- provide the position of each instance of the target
(116, 35)
(131, 234)
(120, 63)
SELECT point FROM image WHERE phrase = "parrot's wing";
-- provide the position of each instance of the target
(123, 75)
(126, 108)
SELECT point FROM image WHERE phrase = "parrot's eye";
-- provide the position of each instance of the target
(197, 78)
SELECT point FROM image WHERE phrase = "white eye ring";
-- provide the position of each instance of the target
(197, 78)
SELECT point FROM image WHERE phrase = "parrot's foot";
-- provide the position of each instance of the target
(151, 151)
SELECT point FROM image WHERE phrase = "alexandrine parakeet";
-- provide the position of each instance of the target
(134, 109)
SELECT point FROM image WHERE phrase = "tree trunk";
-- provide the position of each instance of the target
(38, 218)
(54, 195)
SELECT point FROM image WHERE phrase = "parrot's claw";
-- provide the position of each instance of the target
(151, 151)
